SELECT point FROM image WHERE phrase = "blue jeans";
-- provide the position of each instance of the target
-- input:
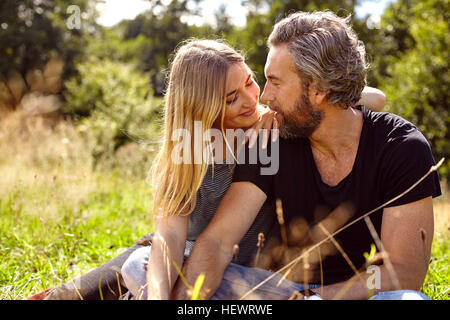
(238, 280)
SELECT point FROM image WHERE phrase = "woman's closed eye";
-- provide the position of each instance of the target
(233, 100)
(248, 84)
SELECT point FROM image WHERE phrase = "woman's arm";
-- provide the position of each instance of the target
(167, 250)
(213, 250)
(373, 98)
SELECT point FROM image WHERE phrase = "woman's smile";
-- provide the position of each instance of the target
(249, 113)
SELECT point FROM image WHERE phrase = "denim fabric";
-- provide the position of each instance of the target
(238, 280)
(400, 295)
(134, 272)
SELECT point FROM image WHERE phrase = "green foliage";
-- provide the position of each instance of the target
(436, 284)
(158, 32)
(116, 103)
(412, 65)
(40, 249)
(32, 30)
(262, 15)
(369, 256)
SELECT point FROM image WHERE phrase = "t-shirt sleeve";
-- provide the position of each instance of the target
(251, 168)
(409, 160)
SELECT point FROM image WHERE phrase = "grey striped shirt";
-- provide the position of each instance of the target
(211, 191)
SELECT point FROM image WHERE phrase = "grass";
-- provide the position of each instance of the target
(437, 281)
(40, 249)
(59, 218)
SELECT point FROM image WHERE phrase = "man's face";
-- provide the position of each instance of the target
(284, 94)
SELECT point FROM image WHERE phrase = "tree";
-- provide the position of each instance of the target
(117, 103)
(412, 68)
(263, 14)
(31, 31)
(161, 30)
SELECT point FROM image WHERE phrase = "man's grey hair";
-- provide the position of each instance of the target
(326, 53)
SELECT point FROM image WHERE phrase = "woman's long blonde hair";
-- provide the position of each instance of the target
(195, 92)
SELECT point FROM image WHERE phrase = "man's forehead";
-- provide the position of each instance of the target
(279, 60)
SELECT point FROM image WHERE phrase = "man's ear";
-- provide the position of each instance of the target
(320, 97)
(317, 96)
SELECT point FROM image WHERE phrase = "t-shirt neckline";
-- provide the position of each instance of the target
(364, 111)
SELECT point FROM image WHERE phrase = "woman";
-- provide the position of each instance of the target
(210, 87)
(208, 83)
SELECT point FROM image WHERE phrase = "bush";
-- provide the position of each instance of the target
(112, 104)
(414, 63)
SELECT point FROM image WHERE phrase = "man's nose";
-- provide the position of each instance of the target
(265, 97)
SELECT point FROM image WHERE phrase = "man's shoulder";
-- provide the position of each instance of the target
(391, 129)
(404, 156)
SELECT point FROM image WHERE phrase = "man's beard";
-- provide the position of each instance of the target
(302, 121)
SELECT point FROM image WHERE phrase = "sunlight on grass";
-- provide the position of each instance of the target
(60, 218)
(437, 281)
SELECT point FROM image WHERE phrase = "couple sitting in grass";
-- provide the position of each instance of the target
(293, 201)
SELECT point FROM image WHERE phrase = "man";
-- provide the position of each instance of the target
(336, 164)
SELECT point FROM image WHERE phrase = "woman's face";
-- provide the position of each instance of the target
(242, 94)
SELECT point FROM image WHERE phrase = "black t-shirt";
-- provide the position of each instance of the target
(392, 155)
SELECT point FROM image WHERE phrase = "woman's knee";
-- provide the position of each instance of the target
(134, 268)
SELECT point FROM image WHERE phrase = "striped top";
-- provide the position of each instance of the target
(211, 191)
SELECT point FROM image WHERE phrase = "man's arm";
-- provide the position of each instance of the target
(213, 250)
(406, 235)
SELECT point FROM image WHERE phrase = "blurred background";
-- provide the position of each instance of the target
(81, 85)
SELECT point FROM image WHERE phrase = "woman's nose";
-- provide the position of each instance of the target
(252, 97)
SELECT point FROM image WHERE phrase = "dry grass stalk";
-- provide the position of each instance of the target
(321, 270)
(235, 252)
(346, 287)
(259, 245)
(76, 290)
(100, 284)
(341, 251)
(140, 293)
(377, 259)
(305, 274)
(294, 295)
(280, 218)
(118, 284)
(297, 259)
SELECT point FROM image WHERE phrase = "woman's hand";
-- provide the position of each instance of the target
(372, 98)
(267, 121)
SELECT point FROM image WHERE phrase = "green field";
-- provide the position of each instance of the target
(59, 218)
